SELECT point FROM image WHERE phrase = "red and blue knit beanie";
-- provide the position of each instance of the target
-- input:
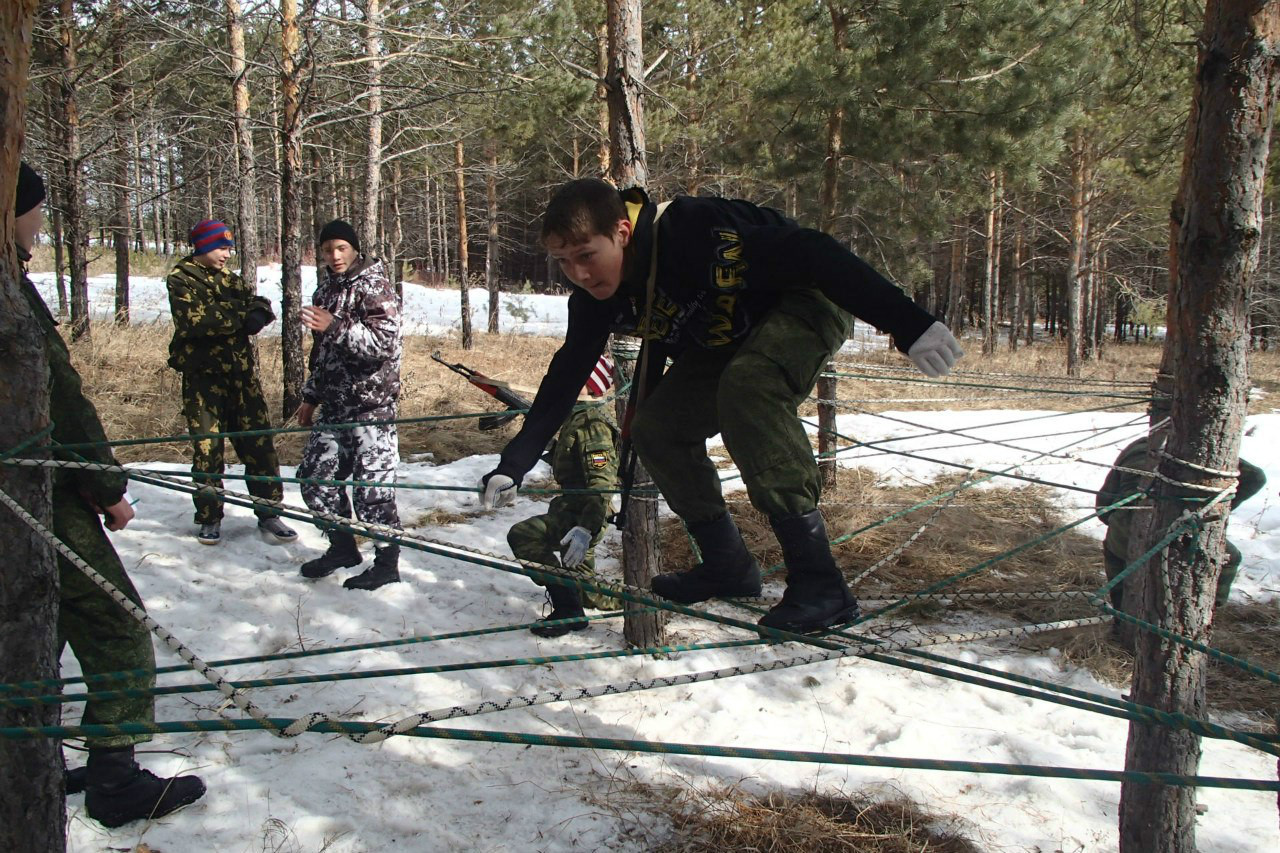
(209, 235)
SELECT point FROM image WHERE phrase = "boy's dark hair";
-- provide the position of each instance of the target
(582, 209)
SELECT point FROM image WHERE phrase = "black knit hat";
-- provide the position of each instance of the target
(339, 230)
(30, 190)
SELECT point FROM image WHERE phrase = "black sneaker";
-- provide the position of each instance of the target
(276, 532)
(210, 533)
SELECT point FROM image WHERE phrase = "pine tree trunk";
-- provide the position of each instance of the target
(395, 243)
(58, 257)
(491, 276)
(247, 195)
(464, 274)
(32, 808)
(73, 193)
(627, 161)
(1016, 304)
(628, 167)
(602, 98)
(139, 238)
(157, 191)
(955, 280)
(121, 216)
(1075, 255)
(290, 211)
(1217, 225)
(989, 280)
(373, 156)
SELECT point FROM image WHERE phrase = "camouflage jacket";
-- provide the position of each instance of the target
(584, 456)
(355, 363)
(209, 309)
(75, 420)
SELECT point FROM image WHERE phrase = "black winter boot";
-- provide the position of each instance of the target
(342, 554)
(566, 603)
(118, 791)
(727, 569)
(816, 596)
(385, 570)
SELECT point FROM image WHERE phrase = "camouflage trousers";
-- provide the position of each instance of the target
(229, 403)
(749, 394)
(103, 637)
(369, 454)
(1115, 565)
(537, 540)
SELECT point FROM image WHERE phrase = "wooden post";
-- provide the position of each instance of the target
(827, 389)
(641, 559)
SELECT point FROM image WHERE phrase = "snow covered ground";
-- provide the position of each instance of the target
(321, 792)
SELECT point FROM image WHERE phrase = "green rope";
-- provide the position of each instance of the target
(663, 748)
(1133, 398)
(433, 669)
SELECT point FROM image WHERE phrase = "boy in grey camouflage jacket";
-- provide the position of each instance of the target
(354, 379)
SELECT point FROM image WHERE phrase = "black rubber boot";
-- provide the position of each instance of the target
(342, 554)
(76, 778)
(566, 603)
(117, 791)
(385, 570)
(727, 569)
(817, 596)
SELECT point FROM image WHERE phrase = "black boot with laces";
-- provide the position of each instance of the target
(342, 554)
(118, 791)
(566, 603)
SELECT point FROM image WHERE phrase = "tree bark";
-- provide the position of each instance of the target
(460, 195)
(990, 282)
(290, 211)
(247, 196)
(1076, 252)
(373, 157)
(33, 808)
(72, 191)
(1016, 304)
(627, 160)
(1217, 226)
(628, 167)
(491, 276)
(121, 216)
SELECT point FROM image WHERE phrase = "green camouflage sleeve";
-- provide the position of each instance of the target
(598, 456)
(196, 313)
(75, 420)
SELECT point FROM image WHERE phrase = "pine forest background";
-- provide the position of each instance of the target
(1009, 162)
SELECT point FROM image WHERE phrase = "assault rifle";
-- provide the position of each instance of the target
(493, 388)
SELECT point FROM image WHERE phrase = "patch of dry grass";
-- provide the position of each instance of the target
(729, 820)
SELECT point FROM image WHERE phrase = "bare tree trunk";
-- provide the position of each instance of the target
(1015, 308)
(373, 157)
(157, 189)
(989, 281)
(491, 247)
(247, 197)
(58, 258)
(290, 211)
(396, 241)
(955, 280)
(602, 96)
(627, 161)
(33, 808)
(139, 238)
(121, 216)
(72, 191)
(628, 167)
(460, 192)
(1076, 252)
(168, 204)
(1217, 222)
(827, 388)
(1098, 286)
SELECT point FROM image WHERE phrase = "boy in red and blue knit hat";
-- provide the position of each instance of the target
(215, 313)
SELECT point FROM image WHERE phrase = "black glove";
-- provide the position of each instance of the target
(259, 316)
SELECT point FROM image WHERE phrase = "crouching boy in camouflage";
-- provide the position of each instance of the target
(583, 456)
(355, 378)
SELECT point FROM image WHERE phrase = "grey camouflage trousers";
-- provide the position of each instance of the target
(368, 454)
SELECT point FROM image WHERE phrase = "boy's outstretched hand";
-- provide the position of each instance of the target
(576, 543)
(496, 490)
(936, 351)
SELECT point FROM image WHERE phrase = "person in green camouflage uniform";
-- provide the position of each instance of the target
(215, 313)
(1122, 483)
(583, 456)
(103, 636)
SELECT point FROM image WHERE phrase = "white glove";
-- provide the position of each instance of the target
(576, 543)
(936, 351)
(496, 490)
